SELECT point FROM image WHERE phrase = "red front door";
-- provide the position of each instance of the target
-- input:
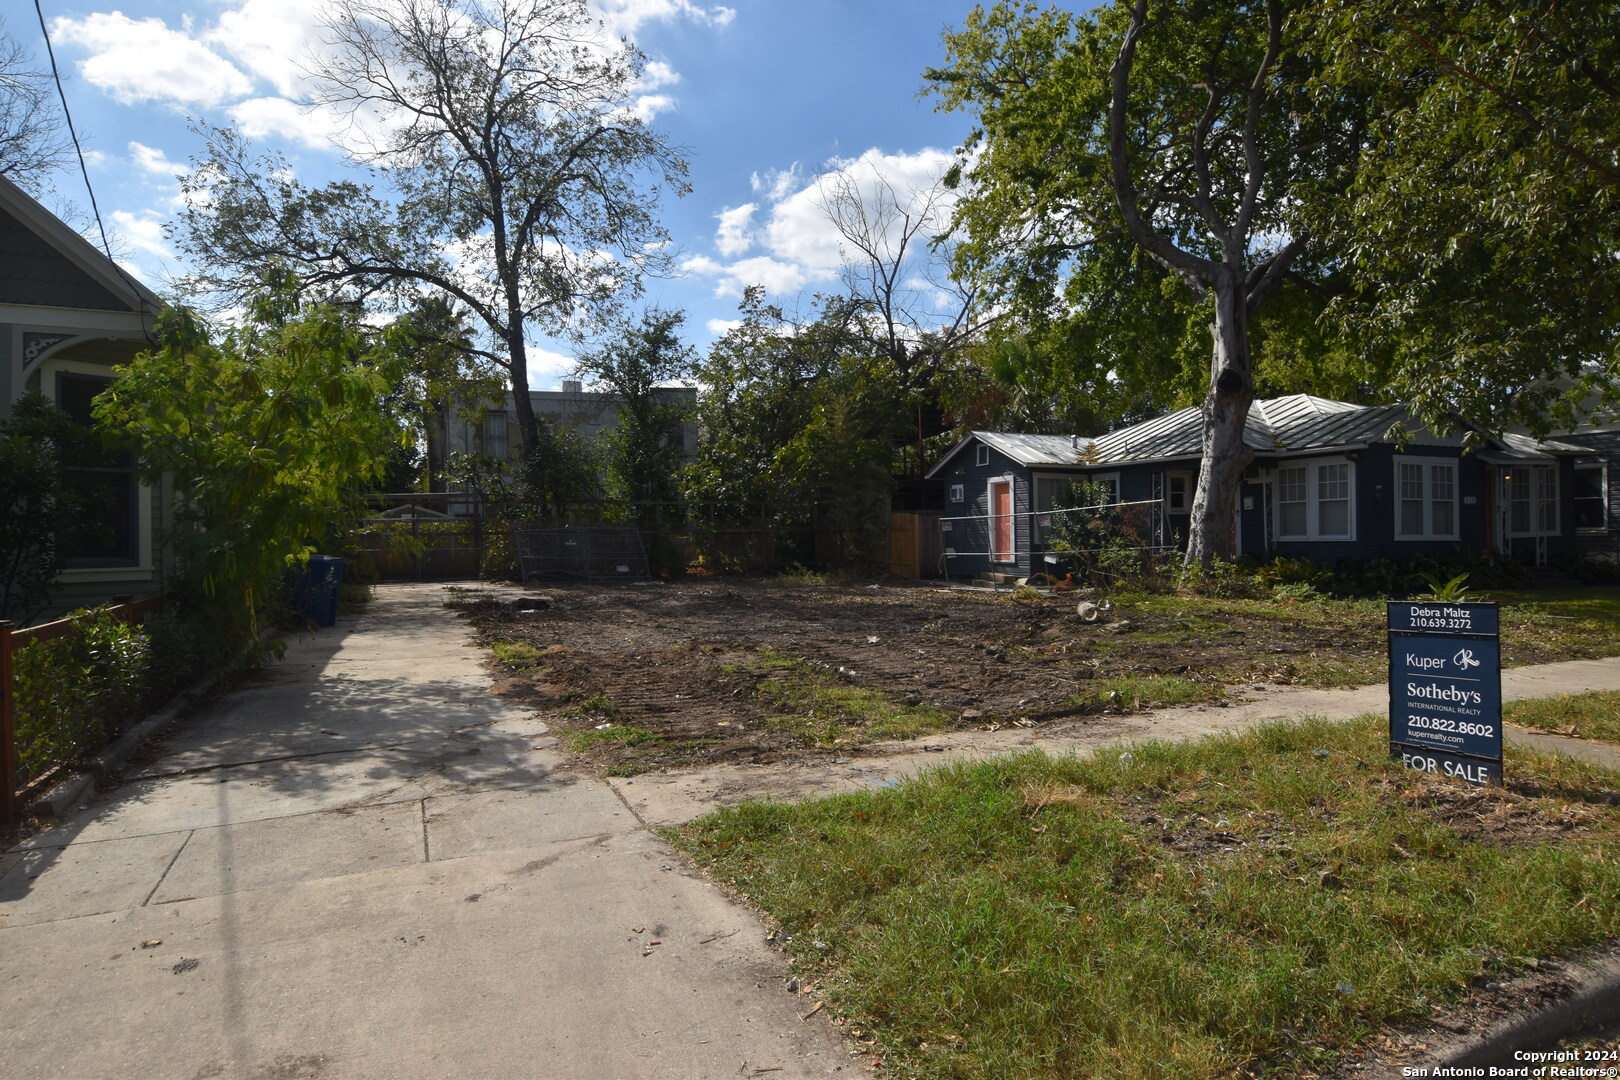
(1001, 522)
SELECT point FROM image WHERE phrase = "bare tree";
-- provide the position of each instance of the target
(522, 182)
(33, 142)
(896, 260)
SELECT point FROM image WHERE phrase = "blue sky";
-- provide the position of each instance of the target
(765, 95)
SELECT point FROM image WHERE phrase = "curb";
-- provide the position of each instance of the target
(1594, 1002)
(64, 796)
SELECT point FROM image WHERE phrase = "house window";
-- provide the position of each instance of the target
(1178, 492)
(1533, 500)
(110, 532)
(1052, 494)
(1426, 493)
(495, 433)
(957, 493)
(1591, 500)
(981, 455)
(1314, 503)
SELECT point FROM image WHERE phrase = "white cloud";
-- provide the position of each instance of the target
(658, 74)
(547, 368)
(625, 16)
(650, 105)
(271, 38)
(777, 184)
(143, 60)
(722, 327)
(144, 233)
(733, 237)
(262, 117)
(799, 228)
(778, 276)
(154, 161)
(800, 244)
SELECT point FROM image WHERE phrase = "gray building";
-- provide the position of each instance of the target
(587, 413)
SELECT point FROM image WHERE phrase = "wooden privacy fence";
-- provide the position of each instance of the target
(915, 547)
(12, 799)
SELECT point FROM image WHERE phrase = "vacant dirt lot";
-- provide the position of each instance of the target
(644, 675)
(743, 670)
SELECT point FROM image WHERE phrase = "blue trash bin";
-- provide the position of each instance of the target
(315, 589)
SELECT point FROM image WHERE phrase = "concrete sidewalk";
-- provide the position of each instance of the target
(673, 796)
(363, 864)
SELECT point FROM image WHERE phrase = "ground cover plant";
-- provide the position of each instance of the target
(1237, 905)
(1592, 715)
(737, 669)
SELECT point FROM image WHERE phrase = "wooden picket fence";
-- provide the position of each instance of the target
(12, 798)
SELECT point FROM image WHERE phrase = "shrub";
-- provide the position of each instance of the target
(75, 693)
(78, 692)
(1589, 570)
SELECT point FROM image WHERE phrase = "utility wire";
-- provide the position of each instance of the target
(84, 170)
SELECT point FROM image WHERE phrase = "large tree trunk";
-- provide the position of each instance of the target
(517, 369)
(1226, 409)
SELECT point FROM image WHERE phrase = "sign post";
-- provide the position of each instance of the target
(1445, 689)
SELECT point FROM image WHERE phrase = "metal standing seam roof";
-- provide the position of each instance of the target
(1292, 424)
(1028, 450)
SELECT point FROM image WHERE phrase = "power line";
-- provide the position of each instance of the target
(84, 169)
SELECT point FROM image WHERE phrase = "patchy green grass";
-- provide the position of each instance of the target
(1326, 669)
(1148, 691)
(515, 654)
(1235, 905)
(619, 735)
(826, 706)
(1592, 715)
(1539, 625)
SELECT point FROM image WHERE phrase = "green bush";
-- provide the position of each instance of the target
(1589, 570)
(79, 692)
(76, 693)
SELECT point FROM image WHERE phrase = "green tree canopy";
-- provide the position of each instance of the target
(266, 431)
(797, 419)
(1148, 143)
(41, 506)
(644, 447)
(1483, 226)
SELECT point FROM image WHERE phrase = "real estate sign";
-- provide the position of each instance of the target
(1445, 689)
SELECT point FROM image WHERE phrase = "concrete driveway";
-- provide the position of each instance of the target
(361, 863)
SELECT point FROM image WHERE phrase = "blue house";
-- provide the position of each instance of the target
(1329, 480)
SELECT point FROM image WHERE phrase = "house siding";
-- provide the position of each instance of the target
(1375, 500)
(971, 537)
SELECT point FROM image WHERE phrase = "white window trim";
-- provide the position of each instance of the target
(1312, 500)
(981, 455)
(1035, 479)
(958, 493)
(1428, 532)
(1104, 478)
(1602, 469)
(1535, 516)
(1041, 525)
(1191, 489)
(142, 569)
(1012, 518)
